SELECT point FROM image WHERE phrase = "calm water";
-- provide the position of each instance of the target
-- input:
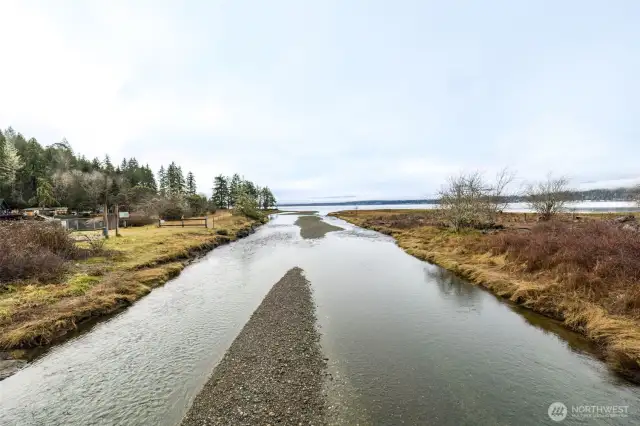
(408, 343)
(577, 207)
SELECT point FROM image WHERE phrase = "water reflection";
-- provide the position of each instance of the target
(465, 294)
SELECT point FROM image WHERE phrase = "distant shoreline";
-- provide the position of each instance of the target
(435, 202)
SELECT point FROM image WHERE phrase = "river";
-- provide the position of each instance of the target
(407, 342)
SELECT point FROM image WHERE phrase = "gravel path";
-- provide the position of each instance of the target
(314, 227)
(273, 371)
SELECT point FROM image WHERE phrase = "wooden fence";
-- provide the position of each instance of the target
(197, 222)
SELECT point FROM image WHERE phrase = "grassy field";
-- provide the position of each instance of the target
(35, 314)
(581, 269)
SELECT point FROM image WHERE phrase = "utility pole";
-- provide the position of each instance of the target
(105, 215)
(117, 209)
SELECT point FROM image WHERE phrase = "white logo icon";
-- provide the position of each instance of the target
(557, 411)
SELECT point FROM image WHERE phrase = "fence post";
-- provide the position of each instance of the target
(159, 223)
(182, 220)
(206, 221)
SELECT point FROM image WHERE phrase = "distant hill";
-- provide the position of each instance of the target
(616, 194)
(361, 203)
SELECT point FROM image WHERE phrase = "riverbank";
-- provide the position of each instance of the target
(573, 276)
(35, 314)
(273, 371)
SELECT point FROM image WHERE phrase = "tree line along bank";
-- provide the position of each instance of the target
(47, 176)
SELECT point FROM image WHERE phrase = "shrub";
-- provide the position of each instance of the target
(248, 206)
(469, 201)
(549, 197)
(598, 259)
(222, 232)
(34, 250)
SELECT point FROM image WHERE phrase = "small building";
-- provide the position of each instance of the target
(60, 211)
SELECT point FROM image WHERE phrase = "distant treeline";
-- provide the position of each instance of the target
(50, 176)
(617, 194)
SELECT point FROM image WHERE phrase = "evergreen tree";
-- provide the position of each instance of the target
(44, 193)
(267, 198)
(108, 167)
(249, 188)
(148, 180)
(191, 184)
(220, 196)
(95, 164)
(235, 186)
(181, 183)
(162, 182)
(10, 161)
(32, 174)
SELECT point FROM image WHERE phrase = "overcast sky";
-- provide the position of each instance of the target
(369, 99)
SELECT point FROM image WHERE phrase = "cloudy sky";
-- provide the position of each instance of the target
(332, 98)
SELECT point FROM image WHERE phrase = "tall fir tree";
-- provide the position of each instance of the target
(220, 196)
(162, 182)
(108, 166)
(96, 164)
(191, 184)
(235, 186)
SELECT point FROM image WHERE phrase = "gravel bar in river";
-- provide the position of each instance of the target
(273, 371)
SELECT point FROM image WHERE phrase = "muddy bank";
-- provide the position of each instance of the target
(273, 371)
(9, 366)
(314, 227)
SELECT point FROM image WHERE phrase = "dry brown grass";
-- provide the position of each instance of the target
(33, 314)
(597, 259)
(584, 271)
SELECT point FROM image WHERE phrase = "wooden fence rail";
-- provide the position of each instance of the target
(204, 223)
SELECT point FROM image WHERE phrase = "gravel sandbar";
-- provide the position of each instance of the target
(314, 227)
(273, 372)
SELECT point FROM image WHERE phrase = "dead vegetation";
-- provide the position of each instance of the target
(34, 250)
(599, 260)
(581, 269)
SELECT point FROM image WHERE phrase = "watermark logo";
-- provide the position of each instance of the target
(557, 411)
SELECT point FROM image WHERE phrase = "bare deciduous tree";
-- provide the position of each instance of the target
(61, 183)
(468, 201)
(548, 197)
(95, 185)
(498, 197)
(464, 200)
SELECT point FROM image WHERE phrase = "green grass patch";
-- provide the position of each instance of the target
(80, 284)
